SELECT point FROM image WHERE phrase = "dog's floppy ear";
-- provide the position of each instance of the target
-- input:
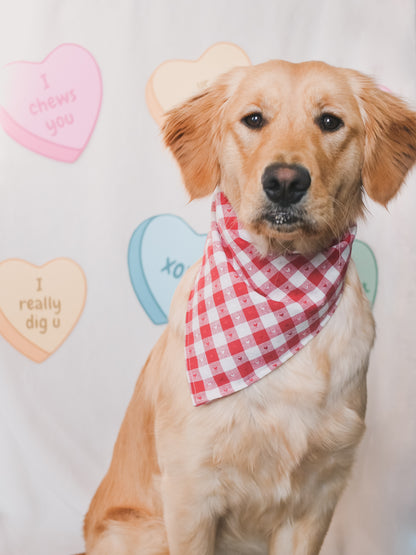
(192, 131)
(390, 138)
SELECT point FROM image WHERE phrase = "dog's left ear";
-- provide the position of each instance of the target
(193, 132)
(390, 138)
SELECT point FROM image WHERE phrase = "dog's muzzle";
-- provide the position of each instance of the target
(285, 184)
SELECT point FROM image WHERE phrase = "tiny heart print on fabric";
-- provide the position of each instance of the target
(40, 305)
(51, 107)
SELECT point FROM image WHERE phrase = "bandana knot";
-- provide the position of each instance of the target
(248, 314)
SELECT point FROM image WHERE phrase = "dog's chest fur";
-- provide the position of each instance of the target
(283, 442)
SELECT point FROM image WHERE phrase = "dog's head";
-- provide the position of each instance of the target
(292, 146)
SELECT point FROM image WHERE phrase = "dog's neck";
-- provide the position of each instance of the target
(248, 314)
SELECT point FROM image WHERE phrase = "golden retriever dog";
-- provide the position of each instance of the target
(293, 147)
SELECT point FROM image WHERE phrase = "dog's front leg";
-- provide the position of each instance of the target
(190, 526)
(301, 537)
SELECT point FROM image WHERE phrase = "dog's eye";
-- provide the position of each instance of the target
(329, 122)
(254, 121)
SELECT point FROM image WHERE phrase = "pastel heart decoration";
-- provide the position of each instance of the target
(161, 249)
(366, 264)
(176, 80)
(51, 107)
(40, 305)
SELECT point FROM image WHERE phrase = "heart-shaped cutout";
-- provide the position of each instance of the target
(176, 80)
(51, 107)
(366, 264)
(40, 305)
(161, 249)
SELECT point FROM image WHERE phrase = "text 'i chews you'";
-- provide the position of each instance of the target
(47, 107)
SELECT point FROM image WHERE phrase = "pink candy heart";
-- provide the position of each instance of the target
(52, 107)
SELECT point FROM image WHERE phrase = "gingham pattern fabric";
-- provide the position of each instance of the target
(246, 314)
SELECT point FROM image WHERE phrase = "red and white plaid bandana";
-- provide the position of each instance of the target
(248, 314)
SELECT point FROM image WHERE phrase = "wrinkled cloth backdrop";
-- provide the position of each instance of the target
(59, 418)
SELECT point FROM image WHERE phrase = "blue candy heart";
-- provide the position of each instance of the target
(160, 251)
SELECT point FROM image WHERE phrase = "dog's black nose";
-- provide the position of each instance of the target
(285, 184)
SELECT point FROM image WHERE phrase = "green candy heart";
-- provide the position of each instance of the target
(366, 264)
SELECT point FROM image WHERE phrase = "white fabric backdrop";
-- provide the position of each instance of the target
(59, 419)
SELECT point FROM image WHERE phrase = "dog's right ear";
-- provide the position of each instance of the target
(390, 138)
(193, 132)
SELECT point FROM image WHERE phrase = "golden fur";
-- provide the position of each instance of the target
(261, 470)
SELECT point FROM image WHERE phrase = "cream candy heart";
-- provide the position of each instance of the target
(175, 80)
(40, 305)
